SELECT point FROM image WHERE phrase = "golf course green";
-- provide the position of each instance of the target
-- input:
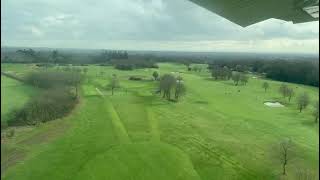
(216, 131)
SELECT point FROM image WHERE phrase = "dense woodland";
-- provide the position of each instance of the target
(301, 72)
(296, 70)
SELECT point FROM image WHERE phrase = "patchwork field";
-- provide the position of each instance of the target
(216, 131)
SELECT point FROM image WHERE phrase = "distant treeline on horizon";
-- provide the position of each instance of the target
(302, 69)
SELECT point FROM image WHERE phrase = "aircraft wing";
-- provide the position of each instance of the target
(248, 12)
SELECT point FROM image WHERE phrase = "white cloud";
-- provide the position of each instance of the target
(58, 20)
(145, 24)
(33, 30)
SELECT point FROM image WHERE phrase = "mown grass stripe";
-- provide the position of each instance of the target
(117, 124)
(155, 134)
(119, 128)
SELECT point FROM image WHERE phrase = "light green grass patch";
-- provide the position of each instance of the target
(14, 95)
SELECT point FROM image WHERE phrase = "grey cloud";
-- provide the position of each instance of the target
(133, 20)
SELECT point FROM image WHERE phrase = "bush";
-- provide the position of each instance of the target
(54, 102)
(53, 79)
(50, 105)
(124, 66)
(130, 64)
(104, 64)
(135, 78)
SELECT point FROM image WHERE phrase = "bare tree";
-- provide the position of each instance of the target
(114, 83)
(265, 86)
(290, 93)
(180, 88)
(217, 72)
(316, 112)
(76, 81)
(244, 79)
(167, 83)
(236, 77)
(285, 147)
(286, 91)
(283, 90)
(227, 73)
(303, 101)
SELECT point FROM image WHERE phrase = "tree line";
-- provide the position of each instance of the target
(59, 95)
(301, 72)
(295, 71)
(225, 73)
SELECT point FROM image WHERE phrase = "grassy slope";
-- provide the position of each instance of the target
(226, 136)
(236, 130)
(97, 132)
(14, 95)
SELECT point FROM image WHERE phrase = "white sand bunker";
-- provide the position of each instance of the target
(273, 104)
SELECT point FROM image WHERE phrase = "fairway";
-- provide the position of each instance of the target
(216, 131)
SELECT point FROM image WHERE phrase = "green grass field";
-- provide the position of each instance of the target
(217, 131)
(14, 95)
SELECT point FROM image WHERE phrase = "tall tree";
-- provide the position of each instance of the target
(155, 75)
(303, 101)
(76, 80)
(244, 78)
(316, 112)
(167, 83)
(180, 88)
(227, 73)
(215, 72)
(283, 89)
(265, 86)
(236, 77)
(285, 147)
(114, 83)
(290, 93)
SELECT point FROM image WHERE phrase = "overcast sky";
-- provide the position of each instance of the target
(177, 25)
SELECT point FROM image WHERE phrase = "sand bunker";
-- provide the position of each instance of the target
(273, 104)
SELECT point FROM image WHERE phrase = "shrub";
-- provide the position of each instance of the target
(135, 78)
(124, 66)
(130, 64)
(50, 105)
(49, 80)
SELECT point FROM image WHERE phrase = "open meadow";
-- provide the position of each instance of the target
(215, 131)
